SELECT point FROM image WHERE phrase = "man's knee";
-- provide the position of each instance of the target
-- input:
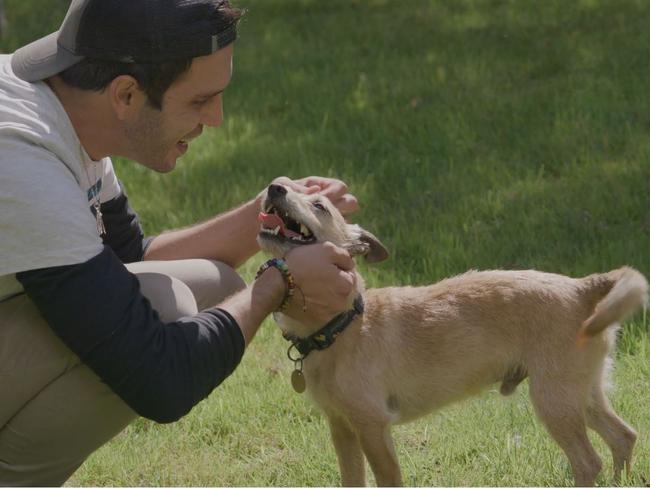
(210, 281)
(218, 282)
(169, 296)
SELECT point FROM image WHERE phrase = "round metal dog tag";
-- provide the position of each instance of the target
(298, 381)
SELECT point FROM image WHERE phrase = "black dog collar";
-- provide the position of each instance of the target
(326, 336)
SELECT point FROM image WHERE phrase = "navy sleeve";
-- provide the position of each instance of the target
(160, 370)
(124, 233)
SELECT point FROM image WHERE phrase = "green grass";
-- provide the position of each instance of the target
(476, 134)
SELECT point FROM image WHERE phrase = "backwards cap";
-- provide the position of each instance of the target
(132, 31)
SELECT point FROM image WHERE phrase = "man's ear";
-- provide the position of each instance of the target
(126, 97)
(367, 245)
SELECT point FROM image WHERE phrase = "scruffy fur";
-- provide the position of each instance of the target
(416, 349)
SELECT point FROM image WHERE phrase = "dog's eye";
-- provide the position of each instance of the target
(319, 206)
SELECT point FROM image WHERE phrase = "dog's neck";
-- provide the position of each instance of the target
(325, 336)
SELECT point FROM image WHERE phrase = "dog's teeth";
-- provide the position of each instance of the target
(276, 231)
(304, 230)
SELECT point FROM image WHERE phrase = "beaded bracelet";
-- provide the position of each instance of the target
(281, 266)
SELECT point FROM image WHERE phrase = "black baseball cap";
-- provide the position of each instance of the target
(132, 31)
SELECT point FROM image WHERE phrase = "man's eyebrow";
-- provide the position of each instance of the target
(206, 96)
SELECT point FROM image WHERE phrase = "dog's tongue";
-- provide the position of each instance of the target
(271, 221)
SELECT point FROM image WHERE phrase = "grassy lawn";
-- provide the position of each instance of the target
(476, 134)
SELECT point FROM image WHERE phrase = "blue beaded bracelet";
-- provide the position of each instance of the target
(281, 266)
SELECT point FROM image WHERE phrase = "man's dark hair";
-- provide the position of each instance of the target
(154, 78)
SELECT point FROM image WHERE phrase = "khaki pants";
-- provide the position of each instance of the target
(54, 411)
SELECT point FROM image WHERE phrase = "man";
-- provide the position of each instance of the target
(97, 323)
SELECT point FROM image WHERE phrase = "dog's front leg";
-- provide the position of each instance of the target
(377, 444)
(348, 452)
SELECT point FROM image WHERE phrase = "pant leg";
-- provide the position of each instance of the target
(210, 281)
(54, 411)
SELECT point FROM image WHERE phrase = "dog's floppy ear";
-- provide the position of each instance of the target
(367, 245)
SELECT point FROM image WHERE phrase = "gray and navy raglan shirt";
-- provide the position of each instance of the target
(50, 249)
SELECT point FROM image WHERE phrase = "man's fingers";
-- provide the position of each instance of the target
(300, 186)
(335, 190)
(347, 204)
(348, 282)
(341, 258)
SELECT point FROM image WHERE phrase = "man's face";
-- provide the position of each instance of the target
(157, 138)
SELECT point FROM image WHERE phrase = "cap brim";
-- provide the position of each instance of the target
(41, 59)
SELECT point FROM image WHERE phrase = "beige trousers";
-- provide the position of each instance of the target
(54, 411)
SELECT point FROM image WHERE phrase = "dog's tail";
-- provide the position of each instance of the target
(625, 291)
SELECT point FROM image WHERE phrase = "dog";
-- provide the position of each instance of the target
(407, 351)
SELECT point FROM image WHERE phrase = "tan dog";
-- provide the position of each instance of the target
(414, 350)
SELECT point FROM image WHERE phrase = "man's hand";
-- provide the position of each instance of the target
(325, 282)
(335, 190)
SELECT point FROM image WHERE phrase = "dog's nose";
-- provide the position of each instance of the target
(277, 191)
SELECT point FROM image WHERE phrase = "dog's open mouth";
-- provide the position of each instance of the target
(278, 224)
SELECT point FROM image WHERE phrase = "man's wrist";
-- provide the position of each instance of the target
(269, 290)
(252, 305)
(280, 265)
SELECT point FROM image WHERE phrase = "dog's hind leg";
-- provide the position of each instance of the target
(562, 411)
(348, 452)
(377, 445)
(617, 434)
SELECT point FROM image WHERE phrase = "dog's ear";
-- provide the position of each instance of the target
(367, 245)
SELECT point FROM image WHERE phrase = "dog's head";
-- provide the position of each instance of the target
(289, 219)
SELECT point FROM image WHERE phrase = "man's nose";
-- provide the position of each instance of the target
(212, 114)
